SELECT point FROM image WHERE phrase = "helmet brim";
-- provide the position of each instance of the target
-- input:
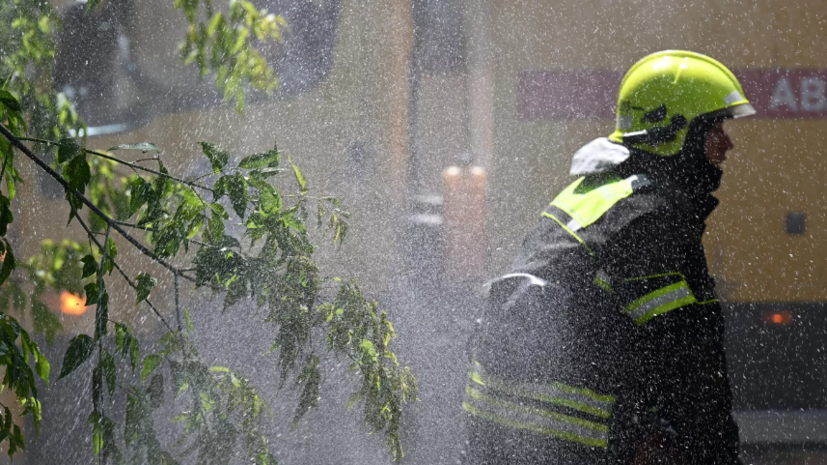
(740, 111)
(733, 112)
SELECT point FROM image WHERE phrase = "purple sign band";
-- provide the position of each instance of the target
(775, 93)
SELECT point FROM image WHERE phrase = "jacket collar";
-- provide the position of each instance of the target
(598, 156)
(602, 155)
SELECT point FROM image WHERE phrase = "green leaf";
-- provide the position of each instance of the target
(217, 156)
(97, 431)
(9, 101)
(215, 228)
(80, 349)
(91, 291)
(144, 147)
(134, 352)
(43, 367)
(188, 319)
(260, 160)
(220, 188)
(6, 216)
(264, 173)
(68, 149)
(132, 419)
(217, 19)
(151, 362)
(121, 336)
(139, 194)
(310, 377)
(90, 266)
(299, 177)
(237, 190)
(108, 364)
(11, 186)
(77, 173)
(156, 391)
(111, 256)
(93, 5)
(269, 198)
(179, 377)
(236, 292)
(8, 263)
(145, 285)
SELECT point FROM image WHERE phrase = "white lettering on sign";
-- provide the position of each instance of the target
(784, 95)
(812, 94)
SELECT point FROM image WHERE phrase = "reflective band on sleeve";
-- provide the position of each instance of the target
(602, 280)
(582, 400)
(660, 301)
(535, 419)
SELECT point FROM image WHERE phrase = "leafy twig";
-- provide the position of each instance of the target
(123, 162)
(48, 169)
(120, 270)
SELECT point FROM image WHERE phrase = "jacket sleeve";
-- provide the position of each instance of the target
(680, 370)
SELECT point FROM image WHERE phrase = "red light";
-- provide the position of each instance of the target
(779, 318)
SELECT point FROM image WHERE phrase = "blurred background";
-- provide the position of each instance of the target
(446, 126)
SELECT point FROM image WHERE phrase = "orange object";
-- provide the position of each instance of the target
(780, 318)
(466, 243)
(72, 304)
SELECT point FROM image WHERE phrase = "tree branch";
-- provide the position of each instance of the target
(177, 304)
(123, 162)
(57, 177)
(120, 270)
(98, 329)
(3, 171)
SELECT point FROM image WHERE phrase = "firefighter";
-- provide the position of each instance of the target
(604, 344)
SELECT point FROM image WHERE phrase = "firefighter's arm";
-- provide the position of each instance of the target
(680, 352)
(684, 361)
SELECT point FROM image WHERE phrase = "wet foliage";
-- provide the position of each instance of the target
(181, 225)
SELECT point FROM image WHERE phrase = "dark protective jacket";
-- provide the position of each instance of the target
(606, 332)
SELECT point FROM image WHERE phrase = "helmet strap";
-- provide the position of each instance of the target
(657, 135)
(690, 169)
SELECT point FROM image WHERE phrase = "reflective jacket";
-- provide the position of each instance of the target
(606, 331)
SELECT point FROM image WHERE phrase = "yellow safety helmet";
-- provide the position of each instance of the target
(664, 93)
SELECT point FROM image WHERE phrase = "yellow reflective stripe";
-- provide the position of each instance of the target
(660, 301)
(503, 404)
(569, 231)
(533, 392)
(662, 275)
(536, 420)
(665, 308)
(584, 392)
(713, 301)
(603, 284)
(534, 428)
(477, 378)
(654, 295)
(588, 207)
